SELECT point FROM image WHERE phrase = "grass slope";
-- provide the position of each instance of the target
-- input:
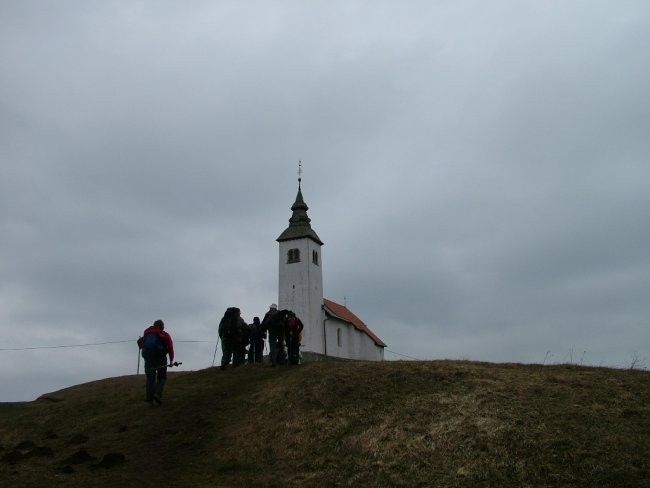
(439, 423)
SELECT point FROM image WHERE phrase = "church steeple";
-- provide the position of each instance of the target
(299, 223)
(300, 274)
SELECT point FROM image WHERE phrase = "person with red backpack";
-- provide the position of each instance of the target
(156, 345)
(293, 331)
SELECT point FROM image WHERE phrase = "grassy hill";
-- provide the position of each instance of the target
(439, 423)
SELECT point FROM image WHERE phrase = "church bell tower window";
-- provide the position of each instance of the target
(314, 257)
(293, 256)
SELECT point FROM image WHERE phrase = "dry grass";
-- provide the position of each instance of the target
(440, 423)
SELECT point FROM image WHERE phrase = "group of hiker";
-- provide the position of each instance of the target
(239, 342)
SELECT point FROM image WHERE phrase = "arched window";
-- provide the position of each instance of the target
(338, 337)
(293, 256)
(314, 257)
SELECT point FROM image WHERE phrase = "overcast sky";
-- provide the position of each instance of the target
(477, 170)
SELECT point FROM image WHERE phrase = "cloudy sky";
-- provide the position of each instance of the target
(477, 170)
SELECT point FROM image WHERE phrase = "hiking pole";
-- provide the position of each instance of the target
(170, 365)
(175, 363)
(215, 351)
(138, 370)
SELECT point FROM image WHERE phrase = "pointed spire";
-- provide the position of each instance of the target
(299, 223)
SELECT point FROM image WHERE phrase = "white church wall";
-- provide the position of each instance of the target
(345, 341)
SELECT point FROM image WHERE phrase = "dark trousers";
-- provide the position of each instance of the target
(293, 344)
(276, 349)
(256, 350)
(226, 350)
(238, 354)
(155, 370)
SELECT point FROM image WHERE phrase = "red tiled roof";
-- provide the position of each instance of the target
(341, 312)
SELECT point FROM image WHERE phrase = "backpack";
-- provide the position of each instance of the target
(277, 324)
(268, 317)
(291, 322)
(229, 327)
(152, 342)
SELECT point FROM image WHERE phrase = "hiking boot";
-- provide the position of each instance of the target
(157, 400)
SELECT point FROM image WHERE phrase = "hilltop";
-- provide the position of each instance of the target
(438, 423)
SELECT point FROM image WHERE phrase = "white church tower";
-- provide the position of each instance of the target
(301, 275)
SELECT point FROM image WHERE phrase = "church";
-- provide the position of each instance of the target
(331, 330)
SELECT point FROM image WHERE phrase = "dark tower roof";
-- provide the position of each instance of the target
(299, 223)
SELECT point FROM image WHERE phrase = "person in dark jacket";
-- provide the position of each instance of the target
(273, 323)
(256, 347)
(244, 338)
(228, 334)
(293, 335)
(156, 345)
(273, 309)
